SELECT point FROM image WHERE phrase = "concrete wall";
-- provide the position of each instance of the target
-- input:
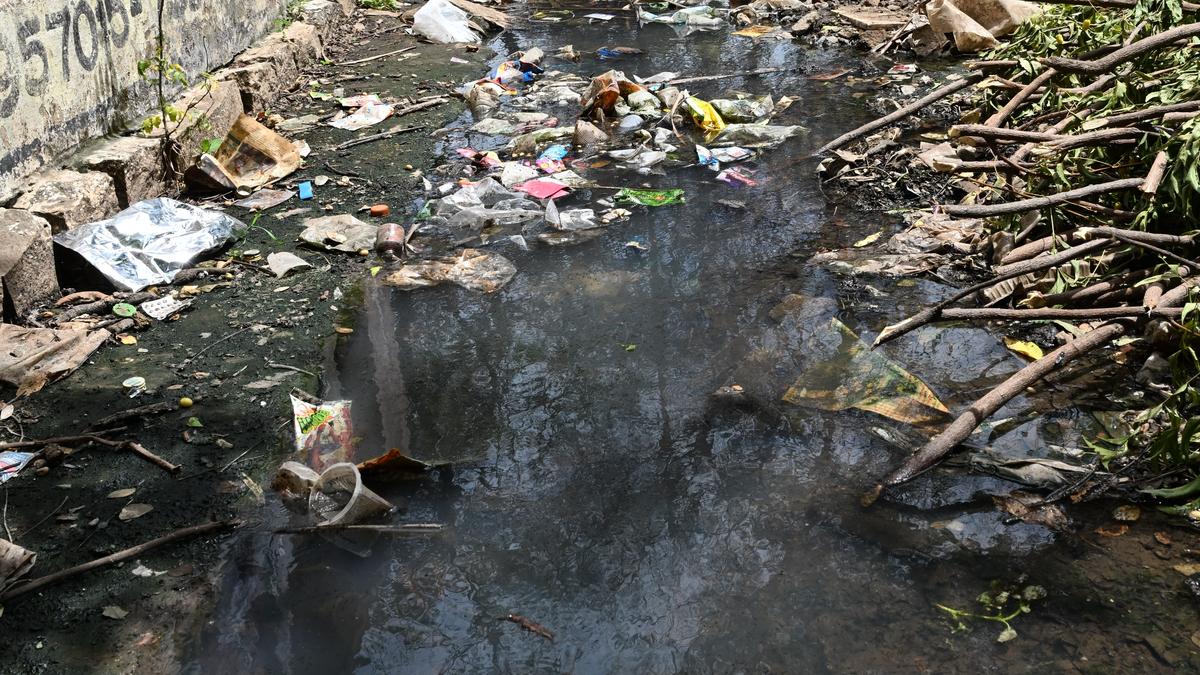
(68, 68)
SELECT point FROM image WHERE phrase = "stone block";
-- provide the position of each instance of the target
(323, 14)
(257, 83)
(27, 275)
(872, 18)
(306, 40)
(68, 199)
(277, 51)
(134, 164)
(211, 112)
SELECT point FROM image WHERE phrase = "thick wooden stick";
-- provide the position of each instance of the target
(901, 113)
(1049, 313)
(1015, 270)
(958, 430)
(1001, 134)
(1024, 205)
(1155, 112)
(1038, 263)
(1015, 102)
(1033, 248)
(1157, 170)
(1136, 235)
(141, 451)
(133, 552)
(1107, 63)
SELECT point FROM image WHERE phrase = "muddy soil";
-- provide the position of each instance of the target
(592, 481)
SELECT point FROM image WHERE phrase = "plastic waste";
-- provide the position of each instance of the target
(570, 219)
(705, 116)
(606, 90)
(515, 173)
(749, 109)
(736, 176)
(543, 188)
(493, 126)
(338, 233)
(305, 190)
(441, 21)
(588, 135)
(338, 497)
(705, 157)
(471, 269)
(322, 430)
(478, 205)
(755, 135)
(265, 199)
(651, 197)
(855, 376)
(11, 463)
(149, 242)
(366, 116)
(701, 17)
(551, 159)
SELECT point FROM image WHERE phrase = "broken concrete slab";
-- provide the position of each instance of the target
(211, 112)
(27, 275)
(872, 18)
(324, 15)
(134, 164)
(258, 83)
(307, 42)
(67, 199)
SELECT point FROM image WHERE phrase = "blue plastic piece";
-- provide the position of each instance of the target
(305, 189)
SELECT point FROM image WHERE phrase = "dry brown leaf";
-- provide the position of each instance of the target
(121, 494)
(134, 511)
(1127, 513)
(1162, 538)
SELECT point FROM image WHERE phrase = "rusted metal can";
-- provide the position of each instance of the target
(390, 239)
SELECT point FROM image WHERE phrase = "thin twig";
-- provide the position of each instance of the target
(132, 552)
(193, 357)
(374, 58)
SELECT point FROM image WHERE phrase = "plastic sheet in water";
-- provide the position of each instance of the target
(149, 242)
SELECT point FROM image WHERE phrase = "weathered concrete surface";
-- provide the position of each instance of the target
(134, 164)
(68, 70)
(211, 112)
(68, 199)
(27, 276)
(872, 18)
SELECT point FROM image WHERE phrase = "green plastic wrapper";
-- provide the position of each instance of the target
(651, 197)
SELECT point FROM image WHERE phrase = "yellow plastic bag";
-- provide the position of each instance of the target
(705, 116)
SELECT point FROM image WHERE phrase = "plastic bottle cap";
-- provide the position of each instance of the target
(124, 309)
(135, 382)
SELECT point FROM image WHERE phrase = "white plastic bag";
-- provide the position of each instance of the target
(441, 21)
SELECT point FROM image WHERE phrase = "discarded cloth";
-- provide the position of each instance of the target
(32, 357)
(471, 269)
(149, 242)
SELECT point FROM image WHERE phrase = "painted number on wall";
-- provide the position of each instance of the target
(83, 30)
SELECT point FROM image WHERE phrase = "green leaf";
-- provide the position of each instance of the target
(194, 422)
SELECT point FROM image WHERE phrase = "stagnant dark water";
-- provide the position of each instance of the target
(605, 493)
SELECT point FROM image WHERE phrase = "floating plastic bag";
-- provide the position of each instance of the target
(339, 233)
(705, 116)
(551, 159)
(322, 430)
(606, 89)
(149, 242)
(570, 219)
(751, 109)
(858, 377)
(441, 21)
(755, 135)
(651, 197)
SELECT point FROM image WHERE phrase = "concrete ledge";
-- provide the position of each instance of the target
(27, 275)
(67, 199)
(134, 164)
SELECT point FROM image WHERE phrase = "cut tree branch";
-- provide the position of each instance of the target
(1024, 205)
(901, 113)
(1107, 63)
